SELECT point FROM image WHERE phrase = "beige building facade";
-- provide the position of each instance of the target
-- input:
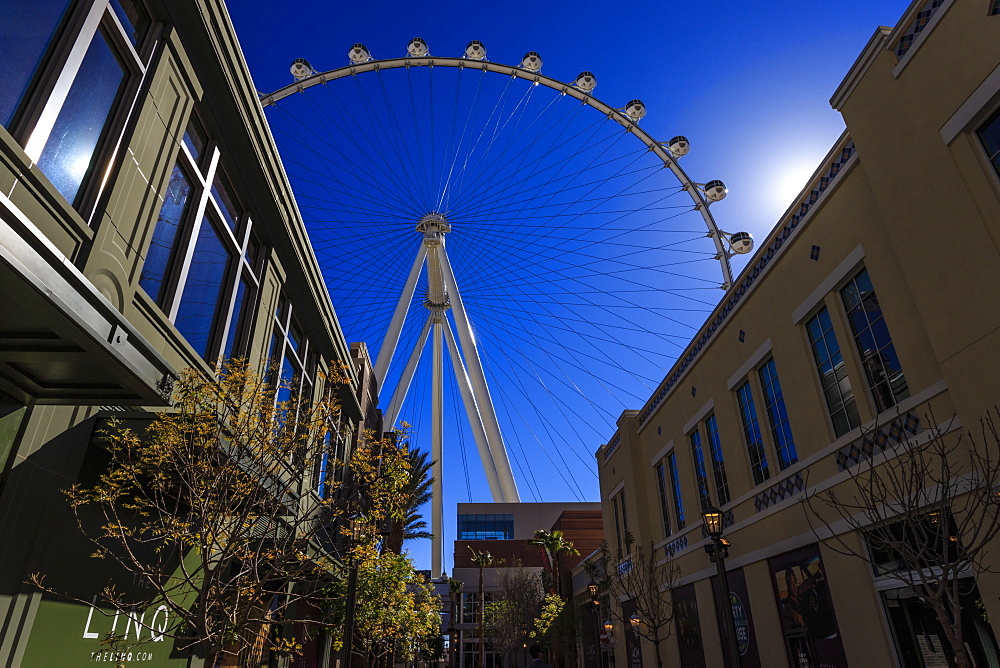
(868, 314)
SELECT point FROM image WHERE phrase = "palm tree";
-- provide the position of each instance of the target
(483, 560)
(415, 493)
(553, 544)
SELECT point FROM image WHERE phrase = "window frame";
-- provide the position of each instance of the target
(817, 364)
(718, 464)
(776, 421)
(765, 469)
(42, 103)
(200, 210)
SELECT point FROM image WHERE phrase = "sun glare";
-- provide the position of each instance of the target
(789, 183)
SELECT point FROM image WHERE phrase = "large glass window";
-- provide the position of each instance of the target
(661, 483)
(199, 306)
(751, 430)
(675, 487)
(205, 275)
(700, 475)
(718, 465)
(26, 30)
(486, 527)
(832, 373)
(68, 155)
(781, 430)
(66, 66)
(159, 255)
(871, 335)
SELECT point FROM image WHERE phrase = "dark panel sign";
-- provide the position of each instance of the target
(808, 620)
(688, 627)
(739, 602)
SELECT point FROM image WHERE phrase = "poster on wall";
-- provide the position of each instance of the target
(739, 603)
(808, 619)
(688, 627)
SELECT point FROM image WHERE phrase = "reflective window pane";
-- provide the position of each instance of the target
(675, 486)
(26, 29)
(69, 151)
(161, 248)
(833, 376)
(751, 431)
(871, 336)
(225, 201)
(781, 430)
(661, 483)
(238, 319)
(700, 474)
(194, 139)
(199, 305)
(718, 465)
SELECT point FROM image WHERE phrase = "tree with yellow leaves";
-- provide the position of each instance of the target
(213, 509)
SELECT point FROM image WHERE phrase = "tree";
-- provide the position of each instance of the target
(396, 613)
(482, 560)
(510, 617)
(554, 545)
(210, 509)
(415, 493)
(645, 581)
(926, 510)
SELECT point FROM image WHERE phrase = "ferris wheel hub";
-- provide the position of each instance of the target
(433, 226)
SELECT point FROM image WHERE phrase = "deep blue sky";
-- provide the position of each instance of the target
(747, 83)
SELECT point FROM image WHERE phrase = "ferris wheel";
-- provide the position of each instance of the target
(555, 249)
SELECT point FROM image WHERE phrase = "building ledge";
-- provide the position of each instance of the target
(68, 344)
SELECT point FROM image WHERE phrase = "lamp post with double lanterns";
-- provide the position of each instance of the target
(595, 605)
(718, 550)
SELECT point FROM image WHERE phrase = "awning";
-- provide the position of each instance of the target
(61, 341)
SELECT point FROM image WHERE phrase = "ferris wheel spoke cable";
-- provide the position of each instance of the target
(497, 166)
(399, 139)
(341, 125)
(400, 206)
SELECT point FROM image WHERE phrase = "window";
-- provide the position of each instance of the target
(485, 527)
(701, 478)
(718, 466)
(871, 335)
(661, 483)
(832, 374)
(623, 539)
(989, 135)
(784, 446)
(67, 67)
(289, 355)
(675, 486)
(201, 268)
(751, 430)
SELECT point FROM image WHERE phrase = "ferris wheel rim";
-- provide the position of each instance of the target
(701, 203)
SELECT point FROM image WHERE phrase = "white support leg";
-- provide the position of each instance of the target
(403, 386)
(477, 377)
(472, 413)
(437, 449)
(391, 340)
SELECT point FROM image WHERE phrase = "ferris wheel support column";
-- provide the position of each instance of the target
(477, 379)
(437, 446)
(403, 386)
(472, 413)
(388, 348)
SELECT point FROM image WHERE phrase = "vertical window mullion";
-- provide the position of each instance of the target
(701, 477)
(777, 415)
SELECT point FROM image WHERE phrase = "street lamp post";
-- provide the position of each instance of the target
(718, 550)
(595, 606)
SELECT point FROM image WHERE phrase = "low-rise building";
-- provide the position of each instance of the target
(867, 317)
